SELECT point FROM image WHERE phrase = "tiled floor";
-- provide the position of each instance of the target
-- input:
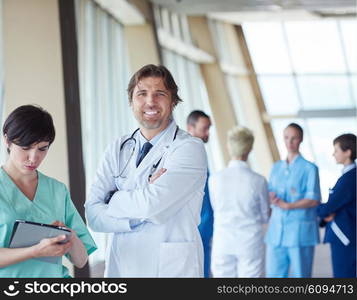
(322, 262)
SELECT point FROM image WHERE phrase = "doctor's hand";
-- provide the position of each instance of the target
(157, 175)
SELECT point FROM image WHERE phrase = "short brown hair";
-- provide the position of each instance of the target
(347, 142)
(194, 116)
(298, 128)
(154, 71)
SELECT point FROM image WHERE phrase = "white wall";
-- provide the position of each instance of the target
(33, 72)
(33, 69)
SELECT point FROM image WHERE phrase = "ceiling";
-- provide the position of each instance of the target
(123, 11)
(202, 7)
(128, 12)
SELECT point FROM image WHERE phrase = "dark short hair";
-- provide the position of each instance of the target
(29, 124)
(298, 128)
(347, 142)
(154, 71)
(194, 116)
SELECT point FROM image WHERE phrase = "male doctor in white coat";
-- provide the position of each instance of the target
(148, 189)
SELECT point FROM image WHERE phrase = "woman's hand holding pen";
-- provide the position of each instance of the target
(74, 238)
(61, 224)
(46, 247)
(51, 247)
(77, 251)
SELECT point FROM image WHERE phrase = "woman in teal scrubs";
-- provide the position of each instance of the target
(26, 193)
(293, 228)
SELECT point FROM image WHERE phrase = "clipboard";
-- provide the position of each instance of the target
(26, 234)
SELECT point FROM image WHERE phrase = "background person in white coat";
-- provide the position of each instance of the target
(149, 198)
(240, 202)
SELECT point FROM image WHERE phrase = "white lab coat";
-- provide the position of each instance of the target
(240, 202)
(153, 227)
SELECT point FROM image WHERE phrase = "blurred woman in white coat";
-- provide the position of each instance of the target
(240, 202)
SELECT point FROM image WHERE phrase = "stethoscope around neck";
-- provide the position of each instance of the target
(132, 139)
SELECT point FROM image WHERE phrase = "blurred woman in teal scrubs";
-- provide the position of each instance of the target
(293, 232)
(26, 193)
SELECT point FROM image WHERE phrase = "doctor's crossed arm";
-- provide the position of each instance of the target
(96, 209)
(185, 175)
(168, 191)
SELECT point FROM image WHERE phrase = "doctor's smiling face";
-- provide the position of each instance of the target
(153, 94)
(152, 105)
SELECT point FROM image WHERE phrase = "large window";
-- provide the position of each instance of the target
(239, 87)
(188, 77)
(103, 67)
(307, 73)
(2, 151)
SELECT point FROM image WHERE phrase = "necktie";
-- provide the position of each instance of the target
(145, 150)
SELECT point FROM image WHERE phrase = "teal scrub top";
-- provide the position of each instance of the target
(51, 202)
(292, 182)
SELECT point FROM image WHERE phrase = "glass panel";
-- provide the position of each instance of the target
(315, 47)
(279, 94)
(321, 92)
(185, 29)
(220, 42)
(353, 82)
(267, 47)
(193, 93)
(176, 28)
(231, 83)
(349, 36)
(165, 19)
(3, 148)
(323, 132)
(103, 69)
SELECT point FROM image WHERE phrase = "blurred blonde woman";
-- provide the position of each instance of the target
(240, 202)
